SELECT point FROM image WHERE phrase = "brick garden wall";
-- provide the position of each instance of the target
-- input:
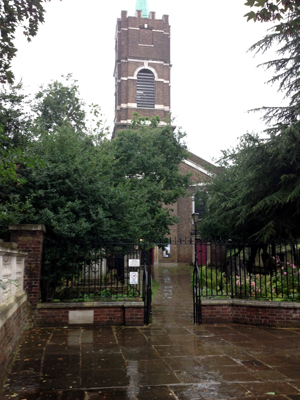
(134, 316)
(103, 314)
(281, 314)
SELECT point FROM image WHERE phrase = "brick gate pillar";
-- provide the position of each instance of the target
(29, 238)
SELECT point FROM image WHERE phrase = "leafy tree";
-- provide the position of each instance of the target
(15, 119)
(257, 193)
(58, 104)
(114, 190)
(15, 127)
(285, 11)
(148, 157)
(14, 123)
(13, 13)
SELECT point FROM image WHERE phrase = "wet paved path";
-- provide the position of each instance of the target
(171, 359)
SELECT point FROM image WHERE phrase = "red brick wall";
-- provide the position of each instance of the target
(10, 334)
(103, 316)
(134, 316)
(29, 238)
(273, 316)
(216, 314)
(109, 316)
(283, 315)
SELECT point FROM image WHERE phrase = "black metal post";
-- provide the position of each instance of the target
(196, 252)
(196, 279)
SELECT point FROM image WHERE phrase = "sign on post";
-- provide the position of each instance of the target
(134, 278)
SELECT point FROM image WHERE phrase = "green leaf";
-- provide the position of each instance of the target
(250, 15)
(250, 3)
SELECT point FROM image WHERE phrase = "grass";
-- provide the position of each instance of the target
(155, 286)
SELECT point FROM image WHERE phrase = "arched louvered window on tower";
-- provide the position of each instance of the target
(145, 89)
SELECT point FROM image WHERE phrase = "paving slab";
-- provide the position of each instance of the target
(169, 359)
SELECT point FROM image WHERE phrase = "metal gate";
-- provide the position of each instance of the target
(147, 286)
(201, 248)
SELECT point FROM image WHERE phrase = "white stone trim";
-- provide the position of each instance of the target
(128, 105)
(149, 61)
(198, 167)
(153, 30)
(146, 65)
(135, 78)
(146, 45)
(134, 105)
(162, 107)
(129, 121)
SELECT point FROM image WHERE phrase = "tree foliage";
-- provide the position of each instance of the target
(15, 118)
(105, 189)
(148, 157)
(257, 193)
(287, 12)
(15, 134)
(86, 185)
(14, 13)
(58, 104)
(286, 70)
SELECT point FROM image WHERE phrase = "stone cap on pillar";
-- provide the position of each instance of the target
(28, 227)
(8, 245)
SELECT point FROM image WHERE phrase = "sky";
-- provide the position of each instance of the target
(214, 80)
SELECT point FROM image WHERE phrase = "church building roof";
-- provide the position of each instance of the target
(142, 5)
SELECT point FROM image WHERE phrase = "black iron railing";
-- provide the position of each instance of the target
(251, 270)
(81, 270)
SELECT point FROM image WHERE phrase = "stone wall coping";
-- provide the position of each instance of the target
(28, 227)
(9, 307)
(250, 303)
(92, 304)
(4, 250)
(8, 245)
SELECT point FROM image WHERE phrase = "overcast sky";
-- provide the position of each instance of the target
(214, 80)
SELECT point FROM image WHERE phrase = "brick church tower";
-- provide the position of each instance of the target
(142, 66)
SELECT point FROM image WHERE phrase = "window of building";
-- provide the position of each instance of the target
(199, 205)
(145, 89)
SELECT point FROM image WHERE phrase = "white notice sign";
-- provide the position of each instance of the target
(134, 277)
(133, 262)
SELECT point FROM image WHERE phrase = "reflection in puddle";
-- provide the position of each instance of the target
(132, 371)
(73, 337)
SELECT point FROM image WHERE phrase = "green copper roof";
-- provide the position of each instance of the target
(143, 5)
